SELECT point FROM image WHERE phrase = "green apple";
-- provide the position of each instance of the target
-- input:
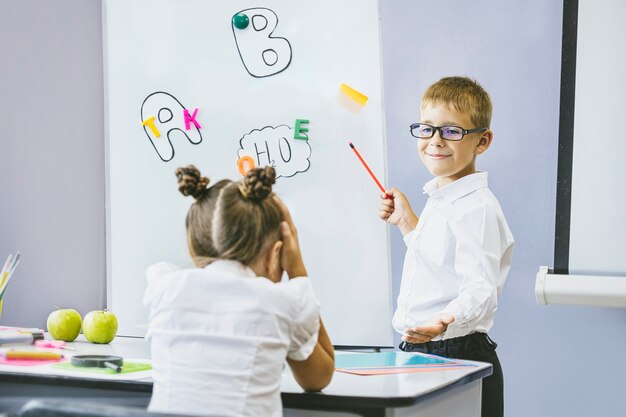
(100, 326)
(64, 324)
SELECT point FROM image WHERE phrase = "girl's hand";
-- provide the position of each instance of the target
(397, 210)
(290, 258)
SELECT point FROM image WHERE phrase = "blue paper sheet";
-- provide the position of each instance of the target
(392, 360)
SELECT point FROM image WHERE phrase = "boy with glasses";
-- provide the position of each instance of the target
(459, 249)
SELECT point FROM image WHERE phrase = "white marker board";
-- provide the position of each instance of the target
(249, 86)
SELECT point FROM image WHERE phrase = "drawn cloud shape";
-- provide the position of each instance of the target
(276, 146)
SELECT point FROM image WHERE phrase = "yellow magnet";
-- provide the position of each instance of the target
(353, 94)
(150, 123)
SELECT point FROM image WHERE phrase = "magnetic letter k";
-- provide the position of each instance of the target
(192, 118)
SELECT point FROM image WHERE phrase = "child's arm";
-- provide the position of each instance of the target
(482, 258)
(315, 373)
(290, 257)
(397, 210)
(428, 331)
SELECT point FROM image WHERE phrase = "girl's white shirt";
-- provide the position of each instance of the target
(219, 337)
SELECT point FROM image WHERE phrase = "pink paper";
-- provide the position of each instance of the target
(388, 371)
(27, 362)
(13, 329)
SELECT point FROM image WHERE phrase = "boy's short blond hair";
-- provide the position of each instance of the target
(464, 95)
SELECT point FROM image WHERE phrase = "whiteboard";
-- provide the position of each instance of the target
(249, 87)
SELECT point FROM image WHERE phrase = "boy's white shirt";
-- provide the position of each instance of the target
(219, 337)
(457, 258)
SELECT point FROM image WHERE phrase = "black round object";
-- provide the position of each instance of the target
(99, 361)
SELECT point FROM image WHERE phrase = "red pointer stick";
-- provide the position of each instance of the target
(368, 169)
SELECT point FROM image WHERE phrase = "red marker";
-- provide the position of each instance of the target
(368, 169)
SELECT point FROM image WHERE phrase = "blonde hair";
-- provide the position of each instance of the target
(463, 95)
(247, 219)
(199, 220)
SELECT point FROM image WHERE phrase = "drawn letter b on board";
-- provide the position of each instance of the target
(261, 54)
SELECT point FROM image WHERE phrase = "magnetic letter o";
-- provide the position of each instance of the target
(245, 164)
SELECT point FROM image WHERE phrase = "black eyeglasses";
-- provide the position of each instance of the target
(425, 131)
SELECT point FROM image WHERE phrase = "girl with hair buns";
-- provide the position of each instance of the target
(192, 183)
(220, 333)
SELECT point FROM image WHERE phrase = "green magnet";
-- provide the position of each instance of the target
(241, 21)
(299, 130)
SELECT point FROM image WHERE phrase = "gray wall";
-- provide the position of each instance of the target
(52, 157)
(52, 181)
(513, 49)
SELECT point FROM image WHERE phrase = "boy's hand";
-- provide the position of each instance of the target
(428, 331)
(397, 210)
(290, 257)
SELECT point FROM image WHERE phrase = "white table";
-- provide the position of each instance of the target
(443, 393)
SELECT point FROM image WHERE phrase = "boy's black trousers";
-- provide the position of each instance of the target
(473, 347)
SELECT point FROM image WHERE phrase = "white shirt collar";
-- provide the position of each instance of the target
(458, 188)
(230, 267)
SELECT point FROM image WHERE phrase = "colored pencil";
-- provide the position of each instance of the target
(368, 169)
(6, 275)
(5, 269)
(31, 355)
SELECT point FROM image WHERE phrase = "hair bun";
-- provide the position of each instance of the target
(257, 184)
(191, 182)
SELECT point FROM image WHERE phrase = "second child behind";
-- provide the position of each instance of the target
(220, 333)
(459, 250)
